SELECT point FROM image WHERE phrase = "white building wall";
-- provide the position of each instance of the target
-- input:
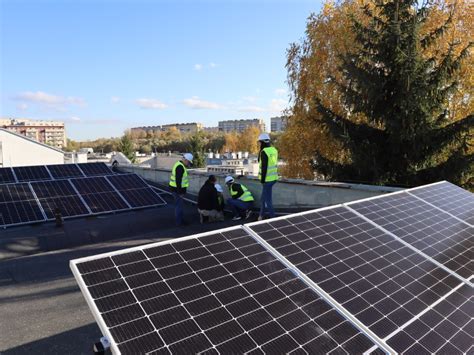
(18, 151)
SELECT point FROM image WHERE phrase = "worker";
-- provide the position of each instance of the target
(179, 183)
(241, 200)
(267, 173)
(208, 202)
(220, 199)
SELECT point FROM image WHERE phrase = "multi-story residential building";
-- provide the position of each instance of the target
(182, 127)
(241, 125)
(278, 124)
(52, 133)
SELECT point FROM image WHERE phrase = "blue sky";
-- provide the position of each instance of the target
(104, 66)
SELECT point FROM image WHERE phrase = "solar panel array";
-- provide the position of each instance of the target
(40, 200)
(222, 291)
(52, 172)
(362, 260)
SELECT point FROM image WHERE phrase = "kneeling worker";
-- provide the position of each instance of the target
(208, 202)
(242, 199)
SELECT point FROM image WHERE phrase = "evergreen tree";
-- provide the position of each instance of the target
(397, 128)
(126, 147)
(196, 146)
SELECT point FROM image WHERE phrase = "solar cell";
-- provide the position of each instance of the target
(18, 205)
(94, 169)
(62, 171)
(59, 194)
(6, 176)
(375, 277)
(217, 292)
(31, 173)
(448, 197)
(99, 195)
(433, 232)
(135, 191)
(445, 328)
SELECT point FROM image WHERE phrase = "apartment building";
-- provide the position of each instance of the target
(278, 124)
(52, 133)
(192, 127)
(241, 125)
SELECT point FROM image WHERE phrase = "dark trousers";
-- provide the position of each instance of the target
(238, 206)
(178, 208)
(266, 199)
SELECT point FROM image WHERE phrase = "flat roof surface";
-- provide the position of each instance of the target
(39, 297)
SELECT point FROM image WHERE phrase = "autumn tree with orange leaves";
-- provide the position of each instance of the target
(320, 81)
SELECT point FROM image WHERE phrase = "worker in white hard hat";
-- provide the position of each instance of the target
(267, 173)
(179, 183)
(241, 200)
(209, 207)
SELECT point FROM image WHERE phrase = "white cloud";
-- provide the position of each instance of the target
(251, 109)
(196, 103)
(277, 105)
(151, 104)
(280, 92)
(114, 99)
(75, 118)
(250, 98)
(49, 100)
(212, 65)
(22, 107)
(197, 67)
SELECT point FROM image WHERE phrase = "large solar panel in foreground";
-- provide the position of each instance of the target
(135, 190)
(221, 292)
(375, 277)
(59, 195)
(435, 233)
(450, 198)
(445, 328)
(18, 205)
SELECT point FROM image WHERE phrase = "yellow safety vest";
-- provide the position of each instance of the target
(184, 181)
(245, 197)
(272, 168)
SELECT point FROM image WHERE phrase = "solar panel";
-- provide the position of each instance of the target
(433, 232)
(59, 194)
(448, 197)
(446, 328)
(94, 169)
(6, 176)
(61, 171)
(99, 195)
(18, 205)
(218, 292)
(31, 173)
(135, 191)
(379, 280)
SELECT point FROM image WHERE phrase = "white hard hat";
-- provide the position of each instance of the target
(188, 156)
(264, 137)
(218, 188)
(229, 179)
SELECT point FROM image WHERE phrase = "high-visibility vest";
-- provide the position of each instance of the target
(272, 167)
(184, 180)
(245, 197)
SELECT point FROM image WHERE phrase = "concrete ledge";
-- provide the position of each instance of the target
(295, 193)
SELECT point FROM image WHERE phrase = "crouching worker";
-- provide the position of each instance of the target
(241, 201)
(208, 202)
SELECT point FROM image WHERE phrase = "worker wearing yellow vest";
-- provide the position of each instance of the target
(179, 183)
(241, 200)
(267, 173)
